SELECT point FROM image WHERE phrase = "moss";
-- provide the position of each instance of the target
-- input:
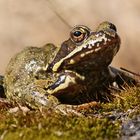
(125, 100)
(34, 125)
(94, 124)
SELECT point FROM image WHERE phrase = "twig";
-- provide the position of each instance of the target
(136, 74)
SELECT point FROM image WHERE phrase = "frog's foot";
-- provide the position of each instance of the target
(67, 86)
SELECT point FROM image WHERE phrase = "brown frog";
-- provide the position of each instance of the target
(76, 72)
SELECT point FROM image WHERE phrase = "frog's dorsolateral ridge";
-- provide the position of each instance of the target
(76, 72)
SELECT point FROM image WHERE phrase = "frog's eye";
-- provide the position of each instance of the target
(79, 33)
(77, 36)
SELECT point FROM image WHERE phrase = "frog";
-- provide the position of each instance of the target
(76, 72)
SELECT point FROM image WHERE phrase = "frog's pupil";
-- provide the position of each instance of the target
(77, 33)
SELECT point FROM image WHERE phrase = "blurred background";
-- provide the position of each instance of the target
(36, 22)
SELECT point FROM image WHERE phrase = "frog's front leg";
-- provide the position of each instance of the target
(35, 96)
(67, 86)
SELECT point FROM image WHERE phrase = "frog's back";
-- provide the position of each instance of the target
(24, 64)
(22, 68)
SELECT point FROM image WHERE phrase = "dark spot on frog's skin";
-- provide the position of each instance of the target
(91, 45)
(87, 45)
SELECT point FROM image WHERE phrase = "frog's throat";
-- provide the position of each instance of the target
(93, 45)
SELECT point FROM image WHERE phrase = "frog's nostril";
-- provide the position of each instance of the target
(112, 26)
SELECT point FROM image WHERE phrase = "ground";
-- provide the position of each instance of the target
(111, 120)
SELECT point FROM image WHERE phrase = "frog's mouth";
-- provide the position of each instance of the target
(94, 60)
(96, 52)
